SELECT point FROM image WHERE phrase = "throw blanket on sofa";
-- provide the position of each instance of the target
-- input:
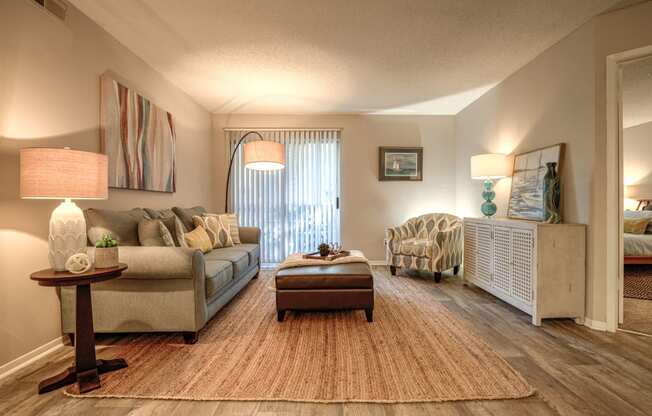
(297, 260)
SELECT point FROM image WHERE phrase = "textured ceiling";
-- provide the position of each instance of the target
(338, 56)
(637, 93)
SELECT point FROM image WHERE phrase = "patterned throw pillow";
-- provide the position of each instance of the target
(198, 238)
(180, 231)
(222, 232)
(166, 235)
(636, 225)
(230, 222)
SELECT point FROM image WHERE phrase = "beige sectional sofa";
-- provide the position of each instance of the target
(164, 289)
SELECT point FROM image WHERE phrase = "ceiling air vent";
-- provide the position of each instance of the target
(56, 7)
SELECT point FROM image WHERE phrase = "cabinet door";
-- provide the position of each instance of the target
(502, 259)
(470, 247)
(484, 250)
(522, 264)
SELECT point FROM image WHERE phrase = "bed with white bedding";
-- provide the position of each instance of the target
(638, 247)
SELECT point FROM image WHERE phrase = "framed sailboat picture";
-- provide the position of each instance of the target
(400, 164)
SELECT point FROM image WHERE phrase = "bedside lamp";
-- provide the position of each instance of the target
(489, 167)
(64, 174)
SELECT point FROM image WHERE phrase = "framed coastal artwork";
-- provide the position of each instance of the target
(138, 137)
(400, 164)
(526, 198)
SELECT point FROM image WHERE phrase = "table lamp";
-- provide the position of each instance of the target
(67, 174)
(489, 167)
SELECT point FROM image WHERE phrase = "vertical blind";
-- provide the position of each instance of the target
(297, 207)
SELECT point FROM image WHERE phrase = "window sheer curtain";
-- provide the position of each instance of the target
(297, 207)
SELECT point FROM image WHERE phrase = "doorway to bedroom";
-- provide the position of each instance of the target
(636, 293)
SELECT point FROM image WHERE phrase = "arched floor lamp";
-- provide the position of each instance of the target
(258, 155)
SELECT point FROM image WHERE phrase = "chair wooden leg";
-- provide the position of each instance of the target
(456, 270)
(71, 337)
(437, 277)
(190, 337)
(280, 316)
(392, 270)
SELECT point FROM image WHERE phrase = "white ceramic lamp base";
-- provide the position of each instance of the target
(67, 234)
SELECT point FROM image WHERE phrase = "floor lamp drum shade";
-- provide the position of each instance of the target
(64, 174)
(489, 167)
(264, 155)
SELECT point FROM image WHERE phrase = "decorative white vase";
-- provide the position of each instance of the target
(106, 257)
(67, 234)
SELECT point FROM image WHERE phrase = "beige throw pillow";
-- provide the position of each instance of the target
(198, 238)
(221, 232)
(149, 233)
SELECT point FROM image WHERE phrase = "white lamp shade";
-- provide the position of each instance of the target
(489, 166)
(264, 155)
(47, 173)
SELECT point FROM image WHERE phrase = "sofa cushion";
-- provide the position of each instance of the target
(239, 259)
(416, 247)
(122, 225)
(159, 213)
(253, 250)
(219, 273)
(186, 214)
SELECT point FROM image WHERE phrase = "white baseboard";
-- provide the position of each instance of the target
(28, 358)
(377, 263)
(595, 325)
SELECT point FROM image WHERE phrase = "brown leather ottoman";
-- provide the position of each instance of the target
(338, 286)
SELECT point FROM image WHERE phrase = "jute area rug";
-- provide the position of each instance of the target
(416, 350)
(638, 282)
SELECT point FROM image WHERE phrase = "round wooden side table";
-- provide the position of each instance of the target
(87, 369)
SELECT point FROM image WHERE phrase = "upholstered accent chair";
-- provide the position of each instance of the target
(430, 242)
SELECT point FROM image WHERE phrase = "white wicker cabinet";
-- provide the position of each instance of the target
(538, 268)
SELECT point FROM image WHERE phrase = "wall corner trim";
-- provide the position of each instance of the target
(595, 325)
(28, 358)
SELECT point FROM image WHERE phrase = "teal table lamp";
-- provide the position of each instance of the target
(489, 167)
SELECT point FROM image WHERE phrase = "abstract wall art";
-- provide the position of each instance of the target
(138, 137)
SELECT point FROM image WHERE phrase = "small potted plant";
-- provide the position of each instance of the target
(324, 249)
(106, 252)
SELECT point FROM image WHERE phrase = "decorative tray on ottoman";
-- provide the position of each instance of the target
(330, 257)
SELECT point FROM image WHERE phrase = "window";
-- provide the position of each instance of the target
(297, 207)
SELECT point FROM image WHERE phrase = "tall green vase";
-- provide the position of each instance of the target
(488, 208)
(552, 195)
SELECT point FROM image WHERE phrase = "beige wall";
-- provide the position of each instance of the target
(548, 101)
(637, 155)
(49, 84)
(560, 96)
(368, 206)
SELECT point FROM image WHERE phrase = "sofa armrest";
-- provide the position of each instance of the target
(250, 235)
(159, 262)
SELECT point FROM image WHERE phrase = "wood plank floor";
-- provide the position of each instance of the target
(576, 371)
(637, 314)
